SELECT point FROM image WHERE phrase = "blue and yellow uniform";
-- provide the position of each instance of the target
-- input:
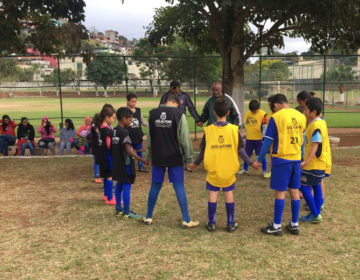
(285, 136)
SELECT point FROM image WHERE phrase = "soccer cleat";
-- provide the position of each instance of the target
(242, 171)
(98, 181)
(267, 175)
(210, 227)
(111, 202)
(293, 229)
(269, 229)
(147, 221)
(104, 197)
(232, 227)
(310, 218)
(323, 207)
(143, 169)
(190, 224)
(131, 215)
(118, 213)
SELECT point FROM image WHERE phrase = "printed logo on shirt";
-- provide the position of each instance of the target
(115, 140)
(135, 123)
(251, 121)
(294, 125)
(163, 122)
(221, 139)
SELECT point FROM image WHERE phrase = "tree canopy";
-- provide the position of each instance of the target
(36, 23)
(239, 29)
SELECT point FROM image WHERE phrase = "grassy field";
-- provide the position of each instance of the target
(54, 225)
(78, 108)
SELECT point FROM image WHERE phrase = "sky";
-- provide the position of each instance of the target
(130, 18)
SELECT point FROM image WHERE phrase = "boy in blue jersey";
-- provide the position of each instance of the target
(284, 135)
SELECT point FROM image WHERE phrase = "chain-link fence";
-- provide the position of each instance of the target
(34, 86)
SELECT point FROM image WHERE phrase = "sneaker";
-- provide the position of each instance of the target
(98, 181)
(210, 227)
(232, 227)
(323, 207)
(111, 202)
(267, 175)
(310, 218)
(118, 213)
(104, 197)
(133, 215)
(242, 171)
(143, 169)
(147, 221)
(269, 229)
(293, 229)
(190, 224)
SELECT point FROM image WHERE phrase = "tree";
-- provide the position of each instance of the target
(106, 70)
(37, 69)
(67, 76)
(11, 72)
(35, 22)
(239, 29)
(341, 73)
(150, 60)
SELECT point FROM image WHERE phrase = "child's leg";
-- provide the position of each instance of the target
(318, 198)
(139, 151)
(153, 196)
(279, 208)
(96, 168)
(323, 189)
(212, 206)
(258, 146)
(51, 147)
(22, 150)
(230, 207)
(182, 200)
(118, 191)
(310, 201)
(68, 148)
(31, 148)
(109, 188)
(248, 150)
(105, 184)
(295, 206)
(126, 197)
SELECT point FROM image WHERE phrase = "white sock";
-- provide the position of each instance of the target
(294, 224)
(276, 226)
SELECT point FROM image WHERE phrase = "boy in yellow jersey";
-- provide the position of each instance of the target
(255, 125)
(284, 135)
(316, 159)
(220, 149)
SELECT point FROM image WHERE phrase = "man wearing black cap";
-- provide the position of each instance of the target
(184, 99)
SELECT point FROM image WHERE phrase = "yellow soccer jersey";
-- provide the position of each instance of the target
(253, 123)
(221, 160)
(287, 135)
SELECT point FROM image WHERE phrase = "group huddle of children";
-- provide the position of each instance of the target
(298, 144)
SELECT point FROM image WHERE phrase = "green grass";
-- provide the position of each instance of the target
(54, 225)
(78, 108)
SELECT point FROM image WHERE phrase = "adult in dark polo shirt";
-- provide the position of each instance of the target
(184, 100)
(168, 142)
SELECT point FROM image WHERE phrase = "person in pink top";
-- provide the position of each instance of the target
(47, 140)
(84, 136)
(7, 137)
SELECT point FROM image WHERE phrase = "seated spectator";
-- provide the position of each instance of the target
(47, 140)
(7, 137)
(25, 136)
(67, 135)
(84, 136)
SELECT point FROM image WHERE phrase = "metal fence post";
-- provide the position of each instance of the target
(126, 76)
(60, 92)
(194, 87)
(260, 66)
(324, 84)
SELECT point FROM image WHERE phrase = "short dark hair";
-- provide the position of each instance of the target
(23, 118)
(315, 104)
(130, 96)
(221, 106)
(300, 109)
(304, 95)
(269, 98)
(279, 99)
(172, 98)
(124, 112)
(254, 105)
(174, 84)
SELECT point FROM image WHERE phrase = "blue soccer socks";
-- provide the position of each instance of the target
(212, 212)
(118, 193)
(319, 201)
(295, 211)
(126, 197)
(310, 201)
(182, 200)
(153, 196)
(278, 210)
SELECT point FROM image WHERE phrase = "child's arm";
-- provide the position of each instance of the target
(142, 121)
(200, 157)
(263, 126)
(131, 152)
(185, 140)
(148, 148)
(244, 155)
